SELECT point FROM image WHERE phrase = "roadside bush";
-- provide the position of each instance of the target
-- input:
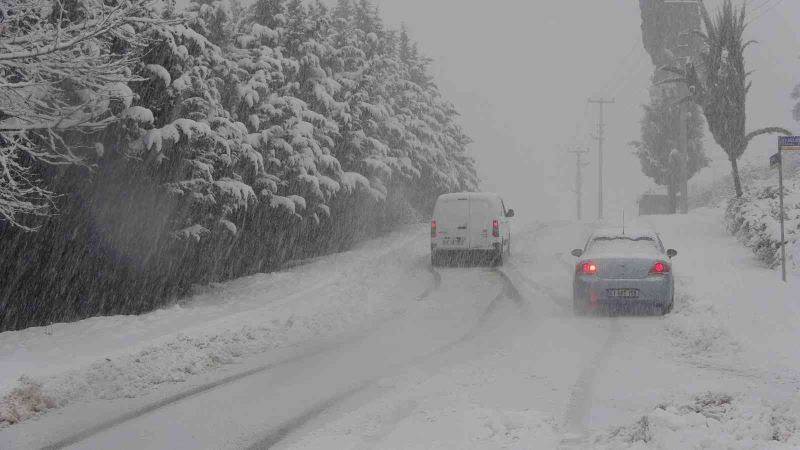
(755, 220)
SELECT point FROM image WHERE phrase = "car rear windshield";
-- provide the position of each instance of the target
(623, 244)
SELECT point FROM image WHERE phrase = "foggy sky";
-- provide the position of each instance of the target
(520, 73)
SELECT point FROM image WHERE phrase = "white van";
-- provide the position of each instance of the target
(470, 221)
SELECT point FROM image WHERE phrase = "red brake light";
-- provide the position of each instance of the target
(659, 268)
(496, 228)
(589, 268)
(433, 229)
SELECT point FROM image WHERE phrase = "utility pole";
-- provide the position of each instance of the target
(786, 144)
(783, 226)
(601, 129)
(579, 165)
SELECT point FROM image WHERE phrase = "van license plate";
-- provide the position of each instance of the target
(623, 293)
(453, 241)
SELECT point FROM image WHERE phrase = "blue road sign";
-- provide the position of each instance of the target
(789, 143)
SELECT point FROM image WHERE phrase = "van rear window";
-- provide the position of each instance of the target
(482, 208)
(452, 209)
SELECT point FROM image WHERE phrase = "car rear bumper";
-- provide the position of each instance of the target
(491, 246)
(653, 291)
(464, 253)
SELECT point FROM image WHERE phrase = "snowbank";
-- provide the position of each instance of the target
(697, 326)
(710, 420)
(130, 356)
(755, 221)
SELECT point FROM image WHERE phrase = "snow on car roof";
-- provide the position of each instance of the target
(635, 243)
(635, 233)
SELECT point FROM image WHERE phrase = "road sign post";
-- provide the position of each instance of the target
(783, 237)
(786, 145)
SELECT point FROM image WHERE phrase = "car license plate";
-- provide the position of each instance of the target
(623, 293)
(453, 241)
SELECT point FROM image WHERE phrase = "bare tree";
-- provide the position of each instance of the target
(719, 83)
(62, 65)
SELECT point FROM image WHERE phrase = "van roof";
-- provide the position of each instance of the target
(470, 195)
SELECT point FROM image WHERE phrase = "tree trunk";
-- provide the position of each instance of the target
(672, 193)
(737, 182)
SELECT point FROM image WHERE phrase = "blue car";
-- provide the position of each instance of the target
(627, 271)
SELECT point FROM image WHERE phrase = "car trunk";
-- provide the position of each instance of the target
(624, 268)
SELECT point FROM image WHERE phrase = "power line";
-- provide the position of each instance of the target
(601, 129)
(760, 6)
(579, 127)
(625, 82)
(620, 66)
(774, 5)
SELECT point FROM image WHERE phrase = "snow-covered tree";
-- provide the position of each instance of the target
(240, 137)
(64, 66)
(659, 148)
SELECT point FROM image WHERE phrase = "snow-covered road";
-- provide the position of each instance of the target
(374, 349)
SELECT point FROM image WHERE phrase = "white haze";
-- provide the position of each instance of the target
(520, 73)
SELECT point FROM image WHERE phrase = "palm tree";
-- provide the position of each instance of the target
(719, 83)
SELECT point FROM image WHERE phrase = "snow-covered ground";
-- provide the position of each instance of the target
(373, 349)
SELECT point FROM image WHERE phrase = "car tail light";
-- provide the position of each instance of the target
(433, 229)
(589, 268)
(496, 228)
(659, 268)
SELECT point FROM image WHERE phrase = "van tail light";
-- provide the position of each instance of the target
(588, 268)
(659, 268)
(433, 229)
(496, 228)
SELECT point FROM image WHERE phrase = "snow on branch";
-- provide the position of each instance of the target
(61, 67)
(20, 193)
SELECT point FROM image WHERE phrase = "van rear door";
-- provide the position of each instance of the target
(452, 222)
(482, 213)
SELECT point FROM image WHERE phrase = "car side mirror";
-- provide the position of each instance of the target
(510, 213)
(577, 253)
(672, 253)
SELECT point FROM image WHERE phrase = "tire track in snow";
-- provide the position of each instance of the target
(508, 291)
(287, 428)
(279, 434)
(400, 413)
(104, 426)
(556, 298)
(147, 409)
(580, 403)
(437, 282)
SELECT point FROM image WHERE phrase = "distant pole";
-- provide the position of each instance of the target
(783, 236)
(601, 129)
(579, 165)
